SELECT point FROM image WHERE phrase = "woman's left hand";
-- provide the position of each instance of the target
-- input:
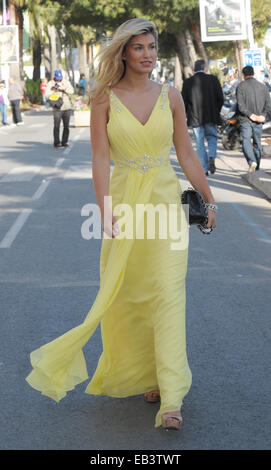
(211, 219)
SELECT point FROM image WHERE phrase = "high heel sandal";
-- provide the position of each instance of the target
(171, 420)
(152, 397)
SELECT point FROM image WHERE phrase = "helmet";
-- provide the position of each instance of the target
(58, 75)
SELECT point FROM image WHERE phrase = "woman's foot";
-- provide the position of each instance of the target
(152, 397)
(172, 420)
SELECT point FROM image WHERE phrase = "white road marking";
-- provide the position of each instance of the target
(78, 172)
(43, 186)
(26, 174)
(81, 171)
(15, 228)
(59, 161)
(67, 150)
(21, 173)
(36, 125)
(76, 137)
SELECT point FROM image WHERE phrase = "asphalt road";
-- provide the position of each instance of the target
(49, 278)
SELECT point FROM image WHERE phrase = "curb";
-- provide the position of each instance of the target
(258, 179)
(261, 180)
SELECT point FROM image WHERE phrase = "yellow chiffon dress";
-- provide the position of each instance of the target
(141, 300)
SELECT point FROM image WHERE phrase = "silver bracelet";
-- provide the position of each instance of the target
(212, 207)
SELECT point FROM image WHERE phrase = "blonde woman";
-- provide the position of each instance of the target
(141, 300)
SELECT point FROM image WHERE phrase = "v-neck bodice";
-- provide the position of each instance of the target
(130, 139)
(121, 104)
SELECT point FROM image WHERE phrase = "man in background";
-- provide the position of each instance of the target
(15, 94)
(203, 100)
(254, 104)
(63, 88)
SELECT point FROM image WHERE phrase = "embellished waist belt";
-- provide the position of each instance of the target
(143, 164)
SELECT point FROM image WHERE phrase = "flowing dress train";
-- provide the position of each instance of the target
(141, 301)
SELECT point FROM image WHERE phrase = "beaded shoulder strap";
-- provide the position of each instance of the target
(114, 101)
(164, 95)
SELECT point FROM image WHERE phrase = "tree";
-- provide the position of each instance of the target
(172, 18)
(82, 22)
(261, 18)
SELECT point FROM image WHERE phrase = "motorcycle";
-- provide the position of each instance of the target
(231, 138)
(230, 130)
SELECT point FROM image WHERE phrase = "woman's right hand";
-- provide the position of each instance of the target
(211, 219)
(110, 225)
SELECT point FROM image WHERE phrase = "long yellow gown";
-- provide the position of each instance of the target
(141, 300)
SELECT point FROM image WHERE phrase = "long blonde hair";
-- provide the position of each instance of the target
(111, 67)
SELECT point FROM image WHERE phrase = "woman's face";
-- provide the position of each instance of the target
(141, 53)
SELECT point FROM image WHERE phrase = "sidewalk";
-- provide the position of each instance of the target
(260, 179)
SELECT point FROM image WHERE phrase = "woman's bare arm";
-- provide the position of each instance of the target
(100, 150)
(186, 155)
(101, 162)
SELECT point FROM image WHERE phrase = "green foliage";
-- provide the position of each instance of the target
(167, 45)
(261, 18)
(170, 16)
(215, 70)
(32, 91)
(219, 49)
(89, 20)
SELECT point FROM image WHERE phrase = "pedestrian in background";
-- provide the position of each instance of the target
(15, 94)
(43, 86)
(203, 100)
(3, 102)
(253, 103)
(82, 84)
(63, 89)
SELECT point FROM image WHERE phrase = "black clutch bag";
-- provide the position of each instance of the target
(198, 213)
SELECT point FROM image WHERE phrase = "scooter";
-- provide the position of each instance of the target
(228, 109)
(230, 128)
(231, 138)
